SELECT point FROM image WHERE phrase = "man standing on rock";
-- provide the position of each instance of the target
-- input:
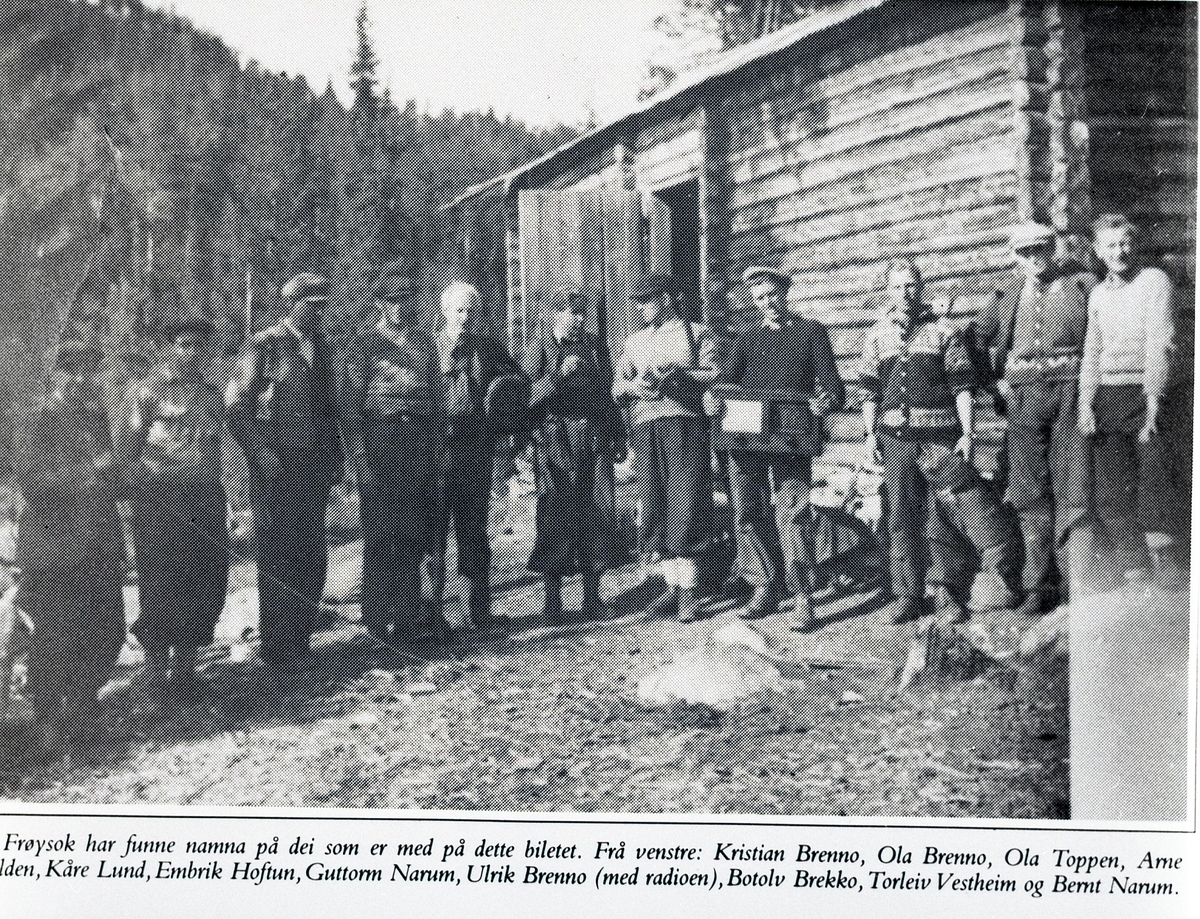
(1034, 329)
(663, 375)
(392, 421)
(282, 411)
(783, 372)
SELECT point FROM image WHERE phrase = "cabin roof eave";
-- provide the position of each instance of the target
(723, 66)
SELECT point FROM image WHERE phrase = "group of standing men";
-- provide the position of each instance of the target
(1083, 370)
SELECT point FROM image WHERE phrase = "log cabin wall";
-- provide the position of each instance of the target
(892, 134)
(1140, 71)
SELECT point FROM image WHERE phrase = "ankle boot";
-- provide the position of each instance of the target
(802, 618)
(592, 606)
(948, 608)
(689, 604)
(552, 608)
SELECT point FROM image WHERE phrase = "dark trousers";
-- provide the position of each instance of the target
(292, 555)
(774, 547)
(462, 508)
(673, 472)
(181, 546)
(1049, 472)
(79, 627)
(397, 486)
(1136, 483)
(942, 517)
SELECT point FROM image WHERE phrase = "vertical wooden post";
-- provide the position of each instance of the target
(702, 202)
(512, 255)
(1070, 173)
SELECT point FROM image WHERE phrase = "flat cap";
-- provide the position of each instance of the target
(1029, 235)
(395, 282)
(653, 285)
(754, 272)
(304, 287)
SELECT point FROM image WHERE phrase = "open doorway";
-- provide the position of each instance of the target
(675, 243)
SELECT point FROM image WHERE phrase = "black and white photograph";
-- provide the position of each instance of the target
(757, 409)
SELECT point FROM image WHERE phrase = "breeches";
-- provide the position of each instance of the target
(673, 471)
(773, 546)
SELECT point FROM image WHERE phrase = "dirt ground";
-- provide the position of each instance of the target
(551, 719)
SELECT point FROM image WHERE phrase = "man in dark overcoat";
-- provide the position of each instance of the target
(783, 370)
(69, 543)
(1034, 329)
(283, 413)
(575, 429)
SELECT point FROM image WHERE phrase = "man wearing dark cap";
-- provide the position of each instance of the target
(663, 375)
(782, 372)
(283, 413)
(69, 543)
(392, 422)
(1034, 330)
(171, 452)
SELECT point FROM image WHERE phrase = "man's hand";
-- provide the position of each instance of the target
(714, 405)
(1087, 423)
(569, 365)
(966, 446)
(1151, 426)
(871, 449)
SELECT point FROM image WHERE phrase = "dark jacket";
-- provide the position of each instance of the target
(171, 434)
(387, 377)
(475, 363)
(283, 412)
(788, 370)
(67, 479)
(587, 393)
(1063, 319)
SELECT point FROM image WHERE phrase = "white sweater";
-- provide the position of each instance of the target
(1130, 336)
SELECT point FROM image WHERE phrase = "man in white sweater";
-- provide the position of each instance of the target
(1124, 395)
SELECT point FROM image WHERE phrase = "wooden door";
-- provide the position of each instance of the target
(581, 239)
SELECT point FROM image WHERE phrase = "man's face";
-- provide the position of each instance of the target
(397, 310)
(770, 298)
(458, 315)
(568, 321)
(653, 309)
(307, 315)
(904, 291)
(186, 353)
(1114, 247)
(1036, 261)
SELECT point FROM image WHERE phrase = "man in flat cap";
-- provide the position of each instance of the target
(663, 375)
(282, 410)
(782, 370)
(69, 543)
(170, 449)
(393, 424)
(1034, 329)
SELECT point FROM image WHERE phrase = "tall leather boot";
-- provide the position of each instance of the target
(1037, 534)
(479, 604)
(552, 607)
(592, 606)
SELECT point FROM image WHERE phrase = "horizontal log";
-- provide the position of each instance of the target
(975, 146)
(788, 216)
(788, 147)
(966, 169)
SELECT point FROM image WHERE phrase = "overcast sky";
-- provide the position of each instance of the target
(544, 61)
